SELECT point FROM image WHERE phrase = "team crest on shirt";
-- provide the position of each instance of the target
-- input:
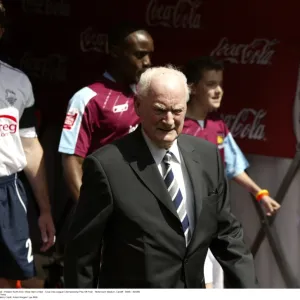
(10, 96)
(220, 140)
(120, 108)
(71, 118)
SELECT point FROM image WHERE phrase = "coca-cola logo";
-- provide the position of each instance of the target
(8, 125)
(247, 124)
(183, 14)
(259, 51)
(91, 40)
(47, 7)
(50, 68)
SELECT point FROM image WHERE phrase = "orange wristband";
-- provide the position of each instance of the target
(261, 194)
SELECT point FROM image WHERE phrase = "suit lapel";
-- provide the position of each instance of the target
(195, 171)
(146, 169)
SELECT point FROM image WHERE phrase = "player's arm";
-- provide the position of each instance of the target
(271, 206)
(36, 175)
(72, 166)
(35, 172)
(76, 138)
(236, 164)
(35, 168)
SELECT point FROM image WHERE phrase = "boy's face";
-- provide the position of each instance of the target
(209, 91)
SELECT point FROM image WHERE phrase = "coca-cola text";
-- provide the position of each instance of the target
(241, 126)
(183, 14)
(52, 67)
(90, 40)
(47, 7)
(259, 51)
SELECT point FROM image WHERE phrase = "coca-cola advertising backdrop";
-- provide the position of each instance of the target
(61, 45)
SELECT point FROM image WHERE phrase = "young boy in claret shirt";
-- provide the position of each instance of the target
(205, 76)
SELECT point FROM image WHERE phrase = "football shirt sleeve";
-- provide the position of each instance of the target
(28, 118)
(235, 161)
(77, 130)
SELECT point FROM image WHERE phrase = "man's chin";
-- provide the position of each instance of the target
(166, 141)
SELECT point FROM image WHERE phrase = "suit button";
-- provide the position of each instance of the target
(185, 261)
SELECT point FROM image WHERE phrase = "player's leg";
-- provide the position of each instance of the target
(16, 247)
(7, 284)
(4, 282)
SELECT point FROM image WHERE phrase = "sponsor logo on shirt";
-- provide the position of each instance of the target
(10, 97)
(133, 128)
(8, 125)
(71, 118)
(120, 108)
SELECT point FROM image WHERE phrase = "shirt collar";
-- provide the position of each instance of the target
(109, 77)
(159, 153)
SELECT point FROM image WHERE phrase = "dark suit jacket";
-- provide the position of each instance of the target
(125, 210)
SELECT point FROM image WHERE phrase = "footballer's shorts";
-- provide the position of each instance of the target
(16, 258)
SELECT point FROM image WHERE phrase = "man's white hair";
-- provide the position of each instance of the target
(143, 86)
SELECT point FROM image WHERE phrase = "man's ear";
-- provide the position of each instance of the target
(193, 88)
(137, 105)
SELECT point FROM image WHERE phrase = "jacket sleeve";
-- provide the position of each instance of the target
(228, 246)
(83, 247)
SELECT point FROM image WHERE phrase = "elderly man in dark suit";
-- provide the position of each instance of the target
(153, 202)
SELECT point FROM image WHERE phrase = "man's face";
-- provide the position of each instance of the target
(136, 56)
(162, 113)
(209, 92)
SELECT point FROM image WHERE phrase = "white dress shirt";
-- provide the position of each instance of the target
(180, 173)
(213, 272)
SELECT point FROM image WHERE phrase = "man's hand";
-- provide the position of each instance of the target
(47, 231)
(270, 205)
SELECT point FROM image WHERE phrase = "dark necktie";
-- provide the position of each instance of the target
(176, 196)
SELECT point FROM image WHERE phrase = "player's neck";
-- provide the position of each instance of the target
(117, 75)
(196, 111)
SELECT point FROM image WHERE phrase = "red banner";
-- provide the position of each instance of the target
(60, 44)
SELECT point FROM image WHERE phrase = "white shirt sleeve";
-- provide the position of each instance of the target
(28, 119)
(208, 268)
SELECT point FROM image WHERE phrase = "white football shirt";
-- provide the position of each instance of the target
(17, 118)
